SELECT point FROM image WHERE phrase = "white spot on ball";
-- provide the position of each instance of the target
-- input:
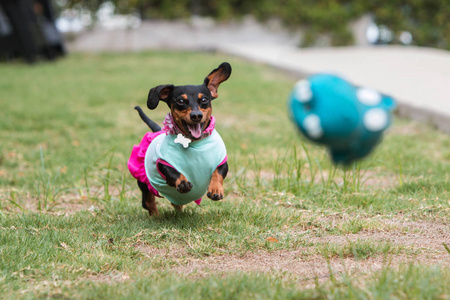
(312, 126)
(368, 96)
(303, 91)
(375, 119)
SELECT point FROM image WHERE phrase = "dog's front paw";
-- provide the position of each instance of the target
(183, 185)
(215, 193)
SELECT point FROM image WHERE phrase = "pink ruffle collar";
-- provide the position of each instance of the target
(171, 128)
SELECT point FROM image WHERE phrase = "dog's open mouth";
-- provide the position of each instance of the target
(196, 130)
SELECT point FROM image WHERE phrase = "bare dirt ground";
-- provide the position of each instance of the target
(417, 241)
(422, 242)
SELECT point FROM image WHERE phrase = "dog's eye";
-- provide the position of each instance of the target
(181, 101)
(204, 100)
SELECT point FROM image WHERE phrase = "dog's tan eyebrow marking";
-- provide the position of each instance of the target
(200, 95)
(184, 96)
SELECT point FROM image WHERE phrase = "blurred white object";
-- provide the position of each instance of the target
(386, 35)
(372, 33)
(406, 38)
(381, 34)
(108, 20)
(73, 20)
(77, 19)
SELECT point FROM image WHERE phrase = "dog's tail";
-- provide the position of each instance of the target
(152, 125)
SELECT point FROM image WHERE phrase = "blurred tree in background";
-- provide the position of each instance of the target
(427, 20)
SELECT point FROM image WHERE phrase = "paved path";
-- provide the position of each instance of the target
(418, 78)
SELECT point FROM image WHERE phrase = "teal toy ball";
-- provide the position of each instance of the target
(347, 119)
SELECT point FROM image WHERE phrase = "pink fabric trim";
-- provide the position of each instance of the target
(171, 128)
(136, 163)
(169, 125)
(212, 124)
(163, 162)
(223, 161)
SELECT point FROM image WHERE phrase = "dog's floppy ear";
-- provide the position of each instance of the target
(159, 93)
(216, 77)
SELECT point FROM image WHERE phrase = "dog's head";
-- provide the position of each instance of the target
(190, 105)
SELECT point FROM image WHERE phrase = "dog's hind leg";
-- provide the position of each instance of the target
(144, 189)
(150, 202)
(177, 207)
(148, 199)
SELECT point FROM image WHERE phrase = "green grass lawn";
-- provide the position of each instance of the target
(291, 226)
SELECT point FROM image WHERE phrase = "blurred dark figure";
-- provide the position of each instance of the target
(27, 30)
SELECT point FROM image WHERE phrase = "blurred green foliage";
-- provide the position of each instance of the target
(427, 20)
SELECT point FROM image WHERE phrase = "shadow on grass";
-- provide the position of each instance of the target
(189, 218)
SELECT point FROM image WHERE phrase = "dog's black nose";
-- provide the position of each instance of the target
(196, 116)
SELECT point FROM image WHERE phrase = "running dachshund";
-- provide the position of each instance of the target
(187, 157)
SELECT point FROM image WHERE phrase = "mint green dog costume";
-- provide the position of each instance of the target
(197, 162)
